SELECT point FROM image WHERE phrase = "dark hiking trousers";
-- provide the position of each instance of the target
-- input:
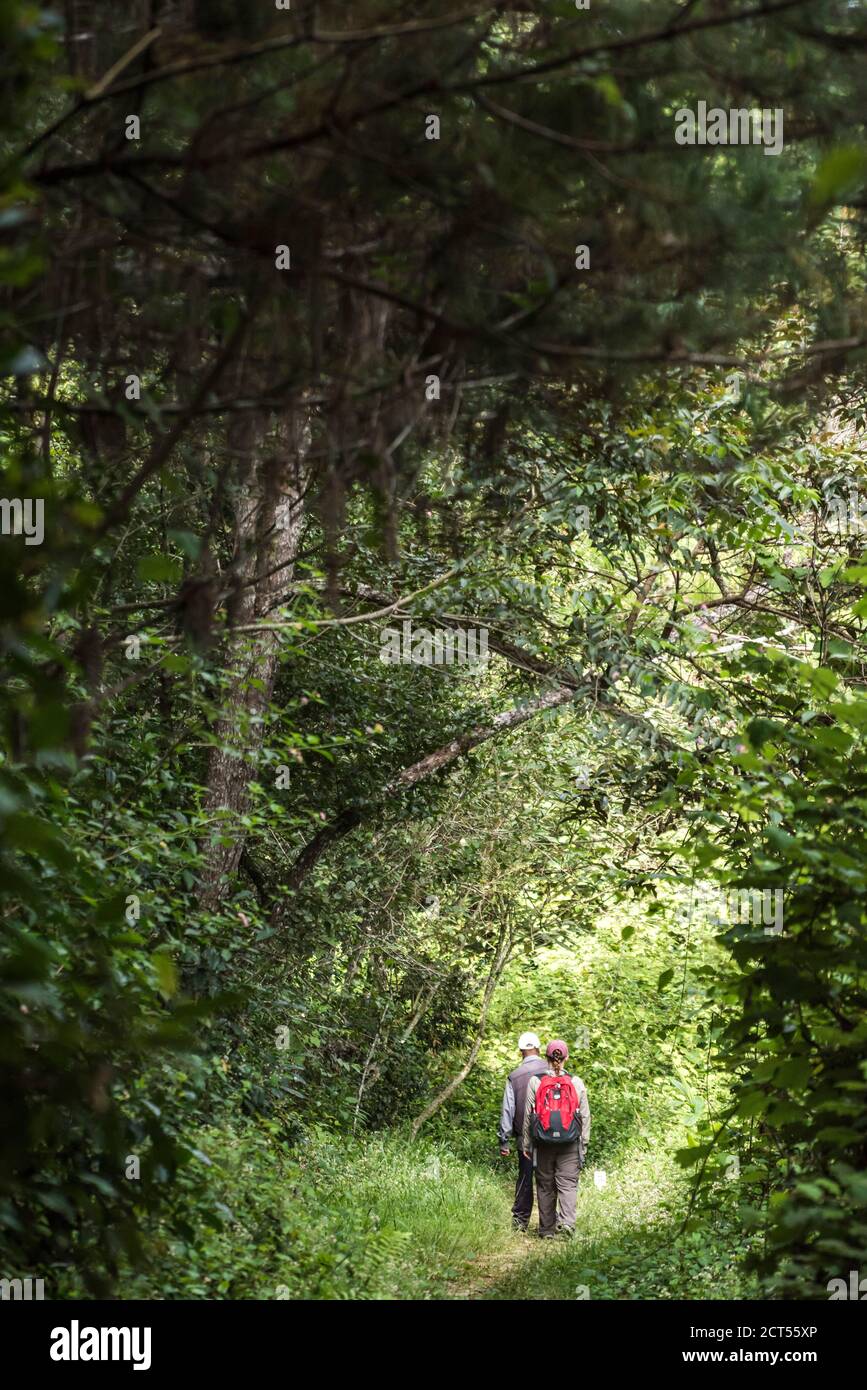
(523, 1208)
(556, 1186)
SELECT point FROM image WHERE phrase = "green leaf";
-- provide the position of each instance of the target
(840, 173)
(166, 972)
(159, 569)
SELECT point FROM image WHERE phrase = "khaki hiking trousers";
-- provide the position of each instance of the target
(556, 1186)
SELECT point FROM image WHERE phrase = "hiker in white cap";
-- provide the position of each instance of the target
(511, 1123)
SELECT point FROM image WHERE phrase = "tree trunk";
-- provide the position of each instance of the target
(269, 512)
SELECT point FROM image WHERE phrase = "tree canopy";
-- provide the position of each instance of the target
(333, 344)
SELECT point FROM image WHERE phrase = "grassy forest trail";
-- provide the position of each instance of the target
(498, 1265)
(447, 622)
(629, 1244)
(387, 1219)
(322, 1214)
(316, 1213)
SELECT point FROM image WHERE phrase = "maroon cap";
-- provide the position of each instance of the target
(557, 1046)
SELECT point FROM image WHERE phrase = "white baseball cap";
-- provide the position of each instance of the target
(527, 1040)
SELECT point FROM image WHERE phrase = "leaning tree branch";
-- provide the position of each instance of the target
(419, 771)
(498, 964)
(520, 658)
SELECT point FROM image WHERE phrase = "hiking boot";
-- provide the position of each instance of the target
(519, 1225)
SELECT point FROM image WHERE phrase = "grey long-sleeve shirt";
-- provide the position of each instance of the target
(583, 1110)
(506, 1128)
(513, 1096)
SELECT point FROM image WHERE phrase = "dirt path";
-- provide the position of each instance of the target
(494, 1266)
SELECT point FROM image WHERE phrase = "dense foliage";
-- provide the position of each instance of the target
(286, 375)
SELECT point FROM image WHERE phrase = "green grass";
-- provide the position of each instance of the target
(629, 1244)
(331, 1219)
(453, 1210)
(382, 1218)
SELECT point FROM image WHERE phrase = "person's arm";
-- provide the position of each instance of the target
(584, 1107)
(529, 1104)
(507, 1116)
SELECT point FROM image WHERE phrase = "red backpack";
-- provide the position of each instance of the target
(556, 1116)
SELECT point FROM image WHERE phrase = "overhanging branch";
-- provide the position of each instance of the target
(419, 771)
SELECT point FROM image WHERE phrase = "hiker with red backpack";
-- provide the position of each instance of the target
(555, 1132)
